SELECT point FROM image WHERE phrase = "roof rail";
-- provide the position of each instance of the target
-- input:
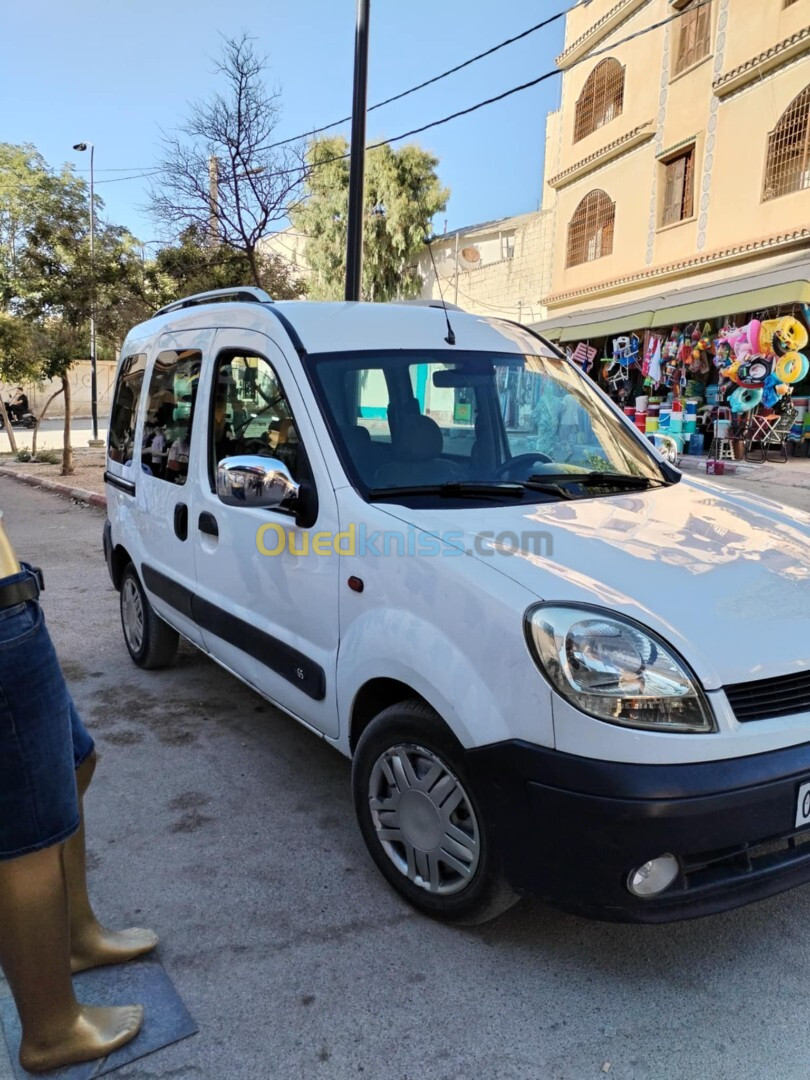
(246, 293)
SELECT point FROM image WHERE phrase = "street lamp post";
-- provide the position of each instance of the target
(95, 441)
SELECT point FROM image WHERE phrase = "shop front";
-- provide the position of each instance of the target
(720, 371)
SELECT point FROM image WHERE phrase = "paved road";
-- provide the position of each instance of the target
(230, 830)
(51, 434)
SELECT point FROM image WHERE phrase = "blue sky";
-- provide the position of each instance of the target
(114, 72)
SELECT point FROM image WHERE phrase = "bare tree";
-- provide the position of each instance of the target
(222, 175)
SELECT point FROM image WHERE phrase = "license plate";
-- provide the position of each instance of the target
(803, 806)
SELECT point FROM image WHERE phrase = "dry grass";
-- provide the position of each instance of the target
(88, 472)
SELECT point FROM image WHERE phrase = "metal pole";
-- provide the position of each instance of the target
(93, 379)
(354, 240)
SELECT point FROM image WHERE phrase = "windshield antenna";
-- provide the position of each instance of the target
(451, 337)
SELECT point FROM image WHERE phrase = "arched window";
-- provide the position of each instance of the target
(590, 232)
(788, 164)
(601, 99)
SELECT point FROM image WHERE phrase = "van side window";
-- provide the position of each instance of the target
(170, 414)
(250, 414)
(124, 413)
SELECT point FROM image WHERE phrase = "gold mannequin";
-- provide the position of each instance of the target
(9, 563)
(43, 902)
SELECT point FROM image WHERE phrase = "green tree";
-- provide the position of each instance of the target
(49, 283)
(193, 265)
(402, 195)
(23, 181)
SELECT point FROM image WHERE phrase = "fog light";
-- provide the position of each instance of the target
(653, 877)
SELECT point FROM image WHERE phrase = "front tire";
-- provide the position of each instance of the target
(421, 820)
(151, 642)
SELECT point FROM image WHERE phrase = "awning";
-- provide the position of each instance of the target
(778, 287)
(617, 325)
(792, 292)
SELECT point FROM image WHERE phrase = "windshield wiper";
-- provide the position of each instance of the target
(598, 479)
(452, 489)
(534, 483)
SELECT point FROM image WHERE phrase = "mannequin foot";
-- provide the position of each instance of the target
(99, 947)
(93, 1034)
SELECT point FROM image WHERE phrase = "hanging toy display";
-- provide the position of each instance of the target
(763, 359)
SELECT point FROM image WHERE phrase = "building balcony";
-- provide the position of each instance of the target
(629, 141)
(791, 48)
(599, 30)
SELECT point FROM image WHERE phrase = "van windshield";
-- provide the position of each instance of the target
(405, 422)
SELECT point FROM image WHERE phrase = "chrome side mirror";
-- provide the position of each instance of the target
(260, 482)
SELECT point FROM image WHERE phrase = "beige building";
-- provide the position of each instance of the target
(499, 268)
(289, 245)
(677, 169)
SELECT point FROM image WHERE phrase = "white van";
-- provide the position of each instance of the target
(557, 665)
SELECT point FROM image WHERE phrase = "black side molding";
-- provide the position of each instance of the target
(280, 657)
(178, 596)
(117, 482)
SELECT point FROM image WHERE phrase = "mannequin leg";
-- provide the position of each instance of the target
(35, 956)
(91, 945)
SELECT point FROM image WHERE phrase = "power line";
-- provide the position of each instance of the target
(436, 78)
(137, 176)
(515, 89)
(402, 94)
(479, 105)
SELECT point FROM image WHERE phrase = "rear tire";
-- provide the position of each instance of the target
(151, 642)
(421, 819)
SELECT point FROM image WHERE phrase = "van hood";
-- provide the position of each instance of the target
(723, 576)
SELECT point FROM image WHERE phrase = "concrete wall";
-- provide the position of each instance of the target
(728, 123)
(80, 381)
(510, 276)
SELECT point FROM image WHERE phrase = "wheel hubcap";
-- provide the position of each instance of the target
(132, 612)
(424, 819)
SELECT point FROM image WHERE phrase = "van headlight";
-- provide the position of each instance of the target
(615, 669)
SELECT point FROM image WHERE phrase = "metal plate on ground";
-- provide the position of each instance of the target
(166, 1019)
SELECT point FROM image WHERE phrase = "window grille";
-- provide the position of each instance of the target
(788, 164)
(694, 37)
(590, 232)
(601, 100)
(679, 188)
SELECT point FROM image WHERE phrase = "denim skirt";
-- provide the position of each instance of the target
(42, 737)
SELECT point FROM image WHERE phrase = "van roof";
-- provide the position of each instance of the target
(325, 327)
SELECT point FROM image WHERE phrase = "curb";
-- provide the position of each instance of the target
(88, 498)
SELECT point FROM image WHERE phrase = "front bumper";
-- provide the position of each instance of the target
(571, 829)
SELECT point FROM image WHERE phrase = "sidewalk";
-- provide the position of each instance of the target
(795, 472)
(85, 485)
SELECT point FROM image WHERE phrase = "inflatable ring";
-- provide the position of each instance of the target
(744, 399)
(791, 368)
(790, 335)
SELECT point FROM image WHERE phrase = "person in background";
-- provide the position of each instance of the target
(177, 461)
(157, 450)
(18, 405)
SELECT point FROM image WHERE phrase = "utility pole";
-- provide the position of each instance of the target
(354, 239)
(95, 441)
(213, 198)
(456, 269)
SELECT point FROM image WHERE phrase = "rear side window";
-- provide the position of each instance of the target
(170, 414)
(124, 415)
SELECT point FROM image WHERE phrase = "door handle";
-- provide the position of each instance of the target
(181, 521)
(208, 524)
